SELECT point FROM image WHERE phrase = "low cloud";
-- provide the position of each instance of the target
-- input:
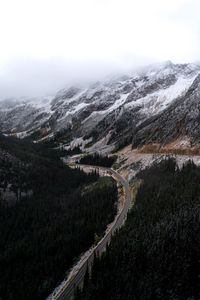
(46, 45)
(28, 77)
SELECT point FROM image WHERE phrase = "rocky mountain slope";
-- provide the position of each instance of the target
(157, 104)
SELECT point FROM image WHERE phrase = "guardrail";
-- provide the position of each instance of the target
(67, 291)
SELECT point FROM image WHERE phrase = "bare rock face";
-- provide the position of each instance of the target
(181, 118)
(154, 105)
(151, 86)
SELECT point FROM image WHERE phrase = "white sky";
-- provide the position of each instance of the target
(45, 44)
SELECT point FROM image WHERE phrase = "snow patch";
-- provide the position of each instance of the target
(156, 102)
(102, 113)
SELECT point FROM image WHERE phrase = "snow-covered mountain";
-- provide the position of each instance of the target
(157, 104)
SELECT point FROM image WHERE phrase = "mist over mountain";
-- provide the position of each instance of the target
(46, 46)
(99, 150)
(113, 113)
(28, 77)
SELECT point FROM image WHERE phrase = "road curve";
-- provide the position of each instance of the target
(66, 292)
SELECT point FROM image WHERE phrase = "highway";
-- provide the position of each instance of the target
(66, 291)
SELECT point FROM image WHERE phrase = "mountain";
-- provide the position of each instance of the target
(155, 105)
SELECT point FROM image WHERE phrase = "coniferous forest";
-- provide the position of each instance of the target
(98, 160)
(55, 215)
(156, 254)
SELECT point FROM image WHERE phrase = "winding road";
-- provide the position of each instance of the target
(66, 291)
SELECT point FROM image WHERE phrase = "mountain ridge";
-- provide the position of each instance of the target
(144, 107)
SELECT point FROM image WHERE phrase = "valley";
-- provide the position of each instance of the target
(68, 288)
(102, 182)
(100, 150)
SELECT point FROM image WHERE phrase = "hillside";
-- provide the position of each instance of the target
(157, 104)
(49, 215)
(156, 254)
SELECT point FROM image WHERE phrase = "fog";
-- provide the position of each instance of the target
(47, 45)
(44, 77)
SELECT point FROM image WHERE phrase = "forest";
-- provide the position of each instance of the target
(98, 160)
(44, 232)
(156, 254)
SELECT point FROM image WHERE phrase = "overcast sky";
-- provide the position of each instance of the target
(46, 44)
